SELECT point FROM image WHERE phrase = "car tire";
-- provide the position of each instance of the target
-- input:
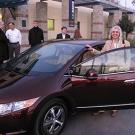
(51, 118)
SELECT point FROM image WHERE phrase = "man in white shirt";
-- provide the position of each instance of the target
(14, 37)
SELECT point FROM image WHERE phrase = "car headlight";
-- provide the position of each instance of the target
(15, 106)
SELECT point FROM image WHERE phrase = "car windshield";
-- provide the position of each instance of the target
(48, 58)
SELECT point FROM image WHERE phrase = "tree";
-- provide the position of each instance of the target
(126, 25)
(133, 2)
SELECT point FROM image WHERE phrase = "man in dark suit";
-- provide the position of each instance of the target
(63, 34)
(36, 35)
(4, 53)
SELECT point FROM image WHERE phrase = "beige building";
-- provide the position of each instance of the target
(94, 17)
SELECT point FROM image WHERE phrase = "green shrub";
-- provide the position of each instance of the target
(132, 42)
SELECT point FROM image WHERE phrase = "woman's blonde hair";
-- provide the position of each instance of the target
(120, 31)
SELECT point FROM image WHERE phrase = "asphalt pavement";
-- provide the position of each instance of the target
(84, 123)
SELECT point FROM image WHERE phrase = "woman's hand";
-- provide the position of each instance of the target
(124, 45)
(89, 48)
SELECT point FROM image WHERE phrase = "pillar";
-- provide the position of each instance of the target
(21, 22)
(18, 15)
(97, 22)
(131, 17)
(117, 16)
(65, 17)
(41, 17)
(114, 18)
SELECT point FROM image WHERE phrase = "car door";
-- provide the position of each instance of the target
(118, 72)
(114, 84)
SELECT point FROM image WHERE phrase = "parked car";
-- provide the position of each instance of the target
(43, 85)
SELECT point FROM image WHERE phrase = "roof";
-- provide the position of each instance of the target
(78, 42)
(107, 5)
(85, 42)
(12, 3)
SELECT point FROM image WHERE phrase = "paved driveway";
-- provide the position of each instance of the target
(85, 124)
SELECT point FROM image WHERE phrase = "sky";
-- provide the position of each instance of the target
(128, 3)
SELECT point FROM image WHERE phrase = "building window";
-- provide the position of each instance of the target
(23, 23)
(50, 24)
(78, 25)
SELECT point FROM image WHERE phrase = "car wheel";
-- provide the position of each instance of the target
(51, 118)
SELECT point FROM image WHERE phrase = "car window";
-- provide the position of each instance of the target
(119, 60)
(113, 62)
(49, 58)
(99, 47)
(132, 59)
(84, 67)
(88, 54)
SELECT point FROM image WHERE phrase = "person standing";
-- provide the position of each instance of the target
(4, 54)
(63, 34)
(15, 38)
(115, 41)
(36, 35)
(77, 34)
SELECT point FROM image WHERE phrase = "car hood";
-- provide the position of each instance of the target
(17, 87)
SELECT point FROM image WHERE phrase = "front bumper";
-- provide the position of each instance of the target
(16, 121)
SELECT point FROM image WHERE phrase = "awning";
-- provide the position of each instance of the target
(12, 3)
(107, 5)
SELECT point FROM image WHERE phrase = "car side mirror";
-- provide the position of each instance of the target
(91, 74)
(71, 71)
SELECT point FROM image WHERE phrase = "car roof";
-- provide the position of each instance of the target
(82, 42)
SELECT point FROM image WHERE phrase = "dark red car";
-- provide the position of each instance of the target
(42, 86)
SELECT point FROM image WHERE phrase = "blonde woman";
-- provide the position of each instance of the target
(115, 41)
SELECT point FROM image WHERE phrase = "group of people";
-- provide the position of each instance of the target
(115, 37)
(9, 42)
